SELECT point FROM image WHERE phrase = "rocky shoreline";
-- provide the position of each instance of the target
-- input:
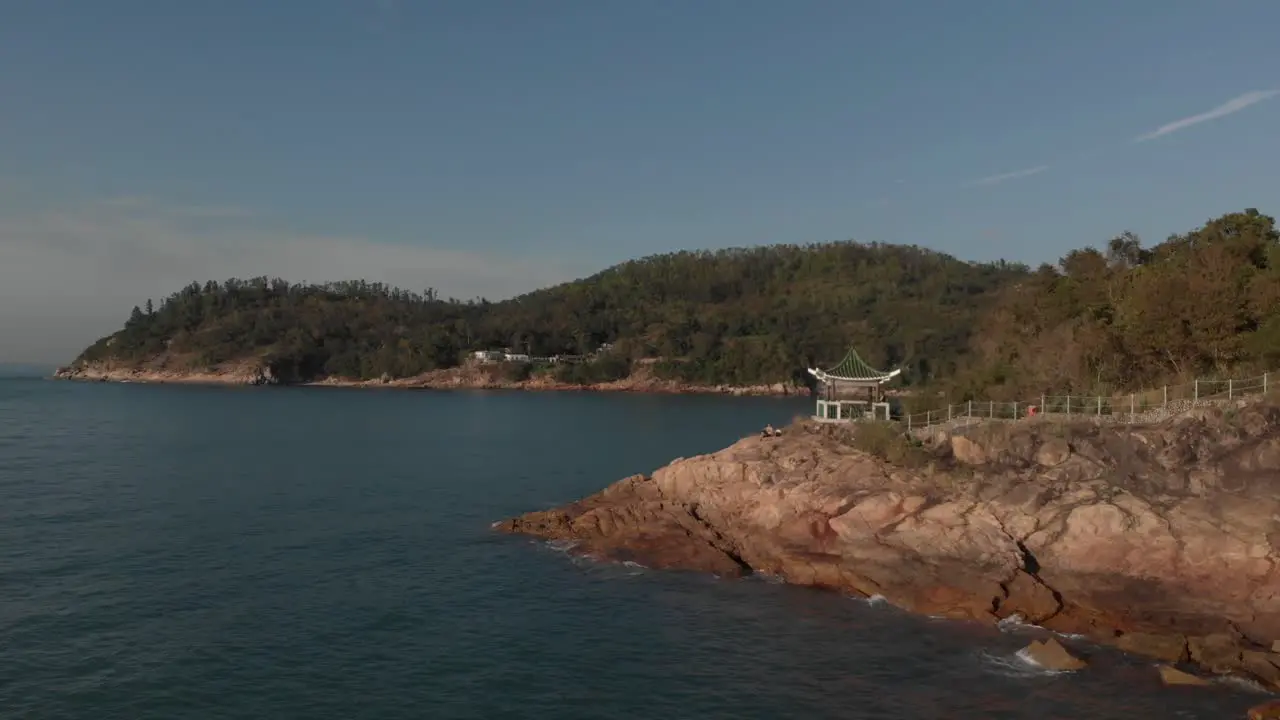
(451, 379)
(1161, 540)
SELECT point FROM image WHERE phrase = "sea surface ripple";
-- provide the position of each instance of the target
(189, 552)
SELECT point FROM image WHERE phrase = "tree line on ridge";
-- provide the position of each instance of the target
(1099, 320)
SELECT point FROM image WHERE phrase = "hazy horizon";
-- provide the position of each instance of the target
(26, 369)
(496, 148)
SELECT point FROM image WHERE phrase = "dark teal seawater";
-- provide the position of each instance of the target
(184, 552)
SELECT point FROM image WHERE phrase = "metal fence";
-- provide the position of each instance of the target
(1141, 407)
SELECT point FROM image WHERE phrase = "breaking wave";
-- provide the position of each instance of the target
(1018, 664)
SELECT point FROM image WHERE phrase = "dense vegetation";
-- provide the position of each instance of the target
(1205, 303)
(734, 316)
(1100, 320)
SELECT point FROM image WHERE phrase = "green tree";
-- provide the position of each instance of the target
(1207, 301)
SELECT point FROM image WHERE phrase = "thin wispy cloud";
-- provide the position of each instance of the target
(1230, 107)
(1005, 177)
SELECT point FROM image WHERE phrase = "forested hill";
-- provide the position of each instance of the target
(735, 317)
(1100, 320)
(1124, 317)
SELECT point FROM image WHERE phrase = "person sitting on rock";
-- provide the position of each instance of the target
(767, 432)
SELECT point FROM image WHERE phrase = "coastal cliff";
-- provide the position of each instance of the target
(1162, 540)
(458, 378)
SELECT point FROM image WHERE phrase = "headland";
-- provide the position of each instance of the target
(465, 377)
(1162, 540)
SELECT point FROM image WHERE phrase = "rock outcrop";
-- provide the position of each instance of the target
(1162, 540)
(1266, 711)
(1170, 675)
(1050, 655)
(254, 372)
(245, 373)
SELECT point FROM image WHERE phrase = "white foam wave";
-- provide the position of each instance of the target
(768, 578)
(1242, 683)
(1007, 665)
(1016, 622)
(1026, 659)
(1016, 665)
(563, 546)
(592, 564)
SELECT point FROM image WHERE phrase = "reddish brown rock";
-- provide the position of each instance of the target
(1264, 666)
(968, 451)
(1218, 652)
(167, 368)
(1053, 452)
(1174, 676)
(1050, 655)
(1269, 710)
(1170, 648)
(1158, 539)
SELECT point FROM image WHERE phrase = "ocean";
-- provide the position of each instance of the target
(203, 552)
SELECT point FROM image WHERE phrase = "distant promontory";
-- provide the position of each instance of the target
(747, 321)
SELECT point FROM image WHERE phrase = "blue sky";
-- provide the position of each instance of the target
(487, 147)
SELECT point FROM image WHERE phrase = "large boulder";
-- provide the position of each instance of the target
(1170, 648)
(1053, 452)
(968, 451)
(1050, 655)
(1173, 676)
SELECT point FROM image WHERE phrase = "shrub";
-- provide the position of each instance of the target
(507, 371)
(602, 370)
(887, 442)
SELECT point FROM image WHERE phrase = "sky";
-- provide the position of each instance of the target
(491, 147)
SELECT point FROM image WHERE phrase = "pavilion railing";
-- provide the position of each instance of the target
(1148, 406)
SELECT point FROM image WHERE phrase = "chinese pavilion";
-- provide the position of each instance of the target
(852, 390)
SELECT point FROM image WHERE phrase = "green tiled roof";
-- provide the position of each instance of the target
(854, 367)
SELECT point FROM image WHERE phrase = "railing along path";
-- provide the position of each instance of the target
(1150, 406)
